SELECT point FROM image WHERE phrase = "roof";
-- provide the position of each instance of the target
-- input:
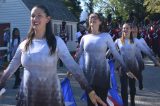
(57, 9)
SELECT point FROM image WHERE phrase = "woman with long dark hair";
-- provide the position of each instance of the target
(14, 45)
(126, 47)
(93, 46)
(39, 54)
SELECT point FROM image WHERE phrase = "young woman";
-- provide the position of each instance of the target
(14, 45)
(39, 54)
(93, 46)
(142, 47)
(127, 49)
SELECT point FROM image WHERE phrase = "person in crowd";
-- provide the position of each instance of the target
(39, 54)
(158, 33)
(145, 32)
(63, 33)
(151, 31)
(94, 46)
(82, 31)
(155, 41)
(64, 36)
(116, 32)
(14, 45)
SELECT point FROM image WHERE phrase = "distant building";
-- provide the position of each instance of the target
(16, 13)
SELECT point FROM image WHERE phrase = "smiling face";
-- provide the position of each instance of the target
(126, 29)
(39, 19)
(94, 20)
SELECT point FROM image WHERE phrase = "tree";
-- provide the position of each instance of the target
(90, 6)
(153, 9)
(73, 6)
(118, 8)
(152, 6)
(87, 5)
(125, 7)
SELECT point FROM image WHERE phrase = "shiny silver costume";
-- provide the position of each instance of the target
(128, 52)
(94, 48)
(131, 53)
(40, 83)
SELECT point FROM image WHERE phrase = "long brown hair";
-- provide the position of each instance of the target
(130, 36)
(50, 38)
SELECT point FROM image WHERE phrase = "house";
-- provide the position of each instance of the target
(16, 13)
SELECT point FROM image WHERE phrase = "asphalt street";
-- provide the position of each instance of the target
(149, 96)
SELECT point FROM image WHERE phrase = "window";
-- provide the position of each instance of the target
(69, 32)
(56, 29)
(68, 28)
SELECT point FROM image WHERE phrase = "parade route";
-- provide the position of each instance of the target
(149, 96)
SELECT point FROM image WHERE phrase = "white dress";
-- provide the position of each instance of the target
(128, 52)
(94, 48)
(40, 83)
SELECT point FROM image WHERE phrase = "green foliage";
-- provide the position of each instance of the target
(118, 8)
(124, 7)
(89, 5)
(73, 6)
(152, 6)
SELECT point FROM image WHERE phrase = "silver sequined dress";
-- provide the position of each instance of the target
(40, 83)
(94, 48)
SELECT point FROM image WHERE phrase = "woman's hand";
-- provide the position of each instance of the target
(2, 89)
(129, 74)
(95, 99)
(69, 75)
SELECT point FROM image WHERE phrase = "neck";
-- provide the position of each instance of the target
(39, 34)
(95, 30)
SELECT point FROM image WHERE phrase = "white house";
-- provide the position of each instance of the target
(16, 13)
